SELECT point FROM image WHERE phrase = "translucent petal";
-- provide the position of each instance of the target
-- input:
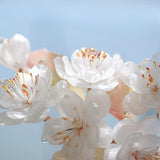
(67, 66)
(6, 100)
(106, 85)
(37, 115)
(137, 83)
(57, 131)
(123, 129)
(72, 149)
(132, 104)
(150, 100)
(59, 66)
(76, 61)
(55, 93)
(86, 154)
(126, 70)
(91, 138)
(149, 125)
(90, 77)
(11, 118)
(105, 134)
(97, 105)
(58, 156)
(71, 105)
(43, 72)
(111, 152)
(78, 82)
(107, 73)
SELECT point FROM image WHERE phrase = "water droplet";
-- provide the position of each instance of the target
(44, 140)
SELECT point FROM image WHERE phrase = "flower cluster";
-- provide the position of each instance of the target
(106, 85)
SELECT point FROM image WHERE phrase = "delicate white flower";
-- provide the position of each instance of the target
(145, 82)
(27, 96)
(125, 132)
(88, 68)
(138, 147)
(126, 127)
(14, 52)
(80, 129)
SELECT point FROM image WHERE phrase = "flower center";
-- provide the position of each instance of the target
(19, 81)
(91, 56)
(150, 153)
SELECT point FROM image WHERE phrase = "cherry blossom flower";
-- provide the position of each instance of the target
(126, 132)
(144, 81)
(88, 68)
(127, 127)
(14, 52)
(138, 147)
(80, 129)
(27, 96)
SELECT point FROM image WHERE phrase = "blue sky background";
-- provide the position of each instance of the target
(128, 27)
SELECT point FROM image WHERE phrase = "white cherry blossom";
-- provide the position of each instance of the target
(27, 96)
(126, 127)
(80, 129)
(145, 83)
(126, 132)
(89, 68)
(14, 52)
(138, 147)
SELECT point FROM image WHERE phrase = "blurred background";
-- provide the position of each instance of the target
(128, 27)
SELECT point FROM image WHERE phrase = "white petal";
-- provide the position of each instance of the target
(67, 66)
(132, 104)
(105, 134)
(111, 152)
(55, 93)
(72, 149)
(90, 77)
(77, 61)
(6, 100)
(123, 129)
(149, 125)
(59, 66)
(55, 130)
(71, 105)
(108, 73)
(86, 154)
(11, 118)
(58, 156)
(92, 136)
(97, 105)
(38, 116)
(126, 70)
(77, 82)
(106, 85)
(43, 72)
(150, 100)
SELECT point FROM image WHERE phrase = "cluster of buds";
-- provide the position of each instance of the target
(83, 91)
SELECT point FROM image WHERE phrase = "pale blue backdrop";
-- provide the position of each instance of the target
(129, 27)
